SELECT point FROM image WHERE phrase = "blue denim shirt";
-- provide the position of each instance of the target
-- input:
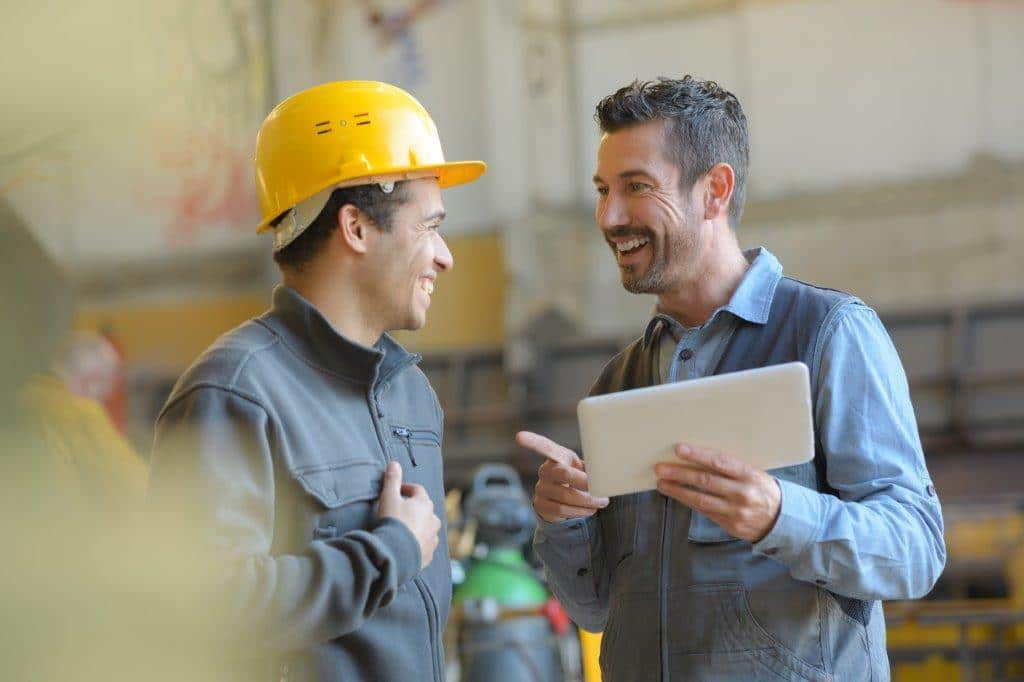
(875, 535)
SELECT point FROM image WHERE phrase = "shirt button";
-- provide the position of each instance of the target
(685, 354)
(772, 551)
(582, 572)
(930, 489)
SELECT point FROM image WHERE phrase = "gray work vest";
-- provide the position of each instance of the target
(686, 593)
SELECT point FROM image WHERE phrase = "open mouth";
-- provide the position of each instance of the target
(427, 285)
(632, 246)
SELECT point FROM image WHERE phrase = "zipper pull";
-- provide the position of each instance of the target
(406, 436)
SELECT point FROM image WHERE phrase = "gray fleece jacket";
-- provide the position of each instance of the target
(272, 446)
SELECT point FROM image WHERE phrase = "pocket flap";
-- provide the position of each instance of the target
(335, 485)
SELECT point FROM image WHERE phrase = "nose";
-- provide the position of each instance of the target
(443, 258)
(610, 211)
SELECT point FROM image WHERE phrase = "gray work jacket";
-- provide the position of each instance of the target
(272, 448)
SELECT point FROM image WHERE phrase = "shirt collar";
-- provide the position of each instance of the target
(752, 300)
(307, 332)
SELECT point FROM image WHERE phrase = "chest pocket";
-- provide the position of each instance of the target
(414, 446)
(704, 530)
(342, 495)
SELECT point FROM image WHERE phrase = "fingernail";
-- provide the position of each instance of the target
(683, 449)
(604, 502)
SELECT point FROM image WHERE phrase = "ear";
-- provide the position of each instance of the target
(353, 228)
(720, 183)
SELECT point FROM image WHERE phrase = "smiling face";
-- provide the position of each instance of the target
(407, 259)
(651, 223)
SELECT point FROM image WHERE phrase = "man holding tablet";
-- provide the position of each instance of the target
(728, 571)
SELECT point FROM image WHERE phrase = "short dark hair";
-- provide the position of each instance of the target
(707, 126)
(378, 206)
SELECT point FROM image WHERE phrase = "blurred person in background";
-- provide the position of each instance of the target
(92, 459)
(89, 366)
(74, 600)
(728, 572)
(300, 454)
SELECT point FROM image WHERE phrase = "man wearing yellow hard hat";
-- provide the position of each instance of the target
(302, 449)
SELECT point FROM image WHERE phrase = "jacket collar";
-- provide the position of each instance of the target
(308, 333)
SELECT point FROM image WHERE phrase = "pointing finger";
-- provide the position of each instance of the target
(545, 447)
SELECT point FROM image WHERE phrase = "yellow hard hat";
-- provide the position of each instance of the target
(343, 134)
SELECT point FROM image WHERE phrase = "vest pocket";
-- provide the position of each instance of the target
(712, 630)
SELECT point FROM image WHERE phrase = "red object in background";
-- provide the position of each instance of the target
(213, 186)
(556, 615)
(117, 403)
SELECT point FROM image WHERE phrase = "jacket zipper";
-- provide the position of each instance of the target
(410, 436)
(433, 620)
(405, 435)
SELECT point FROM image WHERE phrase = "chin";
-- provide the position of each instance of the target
(416, 321)
(631, 281)
(647, 284)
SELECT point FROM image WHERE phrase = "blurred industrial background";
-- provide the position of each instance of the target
(887, 159)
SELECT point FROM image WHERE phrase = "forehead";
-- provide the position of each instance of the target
(638, 147)
(423, 197)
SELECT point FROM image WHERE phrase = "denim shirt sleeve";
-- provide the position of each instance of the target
(880, 535)
(573, 559)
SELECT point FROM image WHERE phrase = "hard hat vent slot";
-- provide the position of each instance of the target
(363, 115)
(320, 127)
(363, 123)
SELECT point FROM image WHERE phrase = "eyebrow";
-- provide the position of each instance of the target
(624, 174)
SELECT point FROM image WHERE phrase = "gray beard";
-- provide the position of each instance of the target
(656, 280)
(651, 283)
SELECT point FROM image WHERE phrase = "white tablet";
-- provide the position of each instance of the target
(762, 416)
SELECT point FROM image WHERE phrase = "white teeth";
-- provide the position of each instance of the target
(428, 286)
(631, 244)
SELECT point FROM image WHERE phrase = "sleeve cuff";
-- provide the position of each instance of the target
(570, 531)
(403, 545)
(800, 513)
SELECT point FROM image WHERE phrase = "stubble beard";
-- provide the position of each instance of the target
(656, 280)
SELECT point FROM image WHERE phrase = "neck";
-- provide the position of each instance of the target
(711, 284)
(331, 292)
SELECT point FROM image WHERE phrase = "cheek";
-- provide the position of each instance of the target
(668, 211)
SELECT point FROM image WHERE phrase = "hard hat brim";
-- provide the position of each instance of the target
(449, 174)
